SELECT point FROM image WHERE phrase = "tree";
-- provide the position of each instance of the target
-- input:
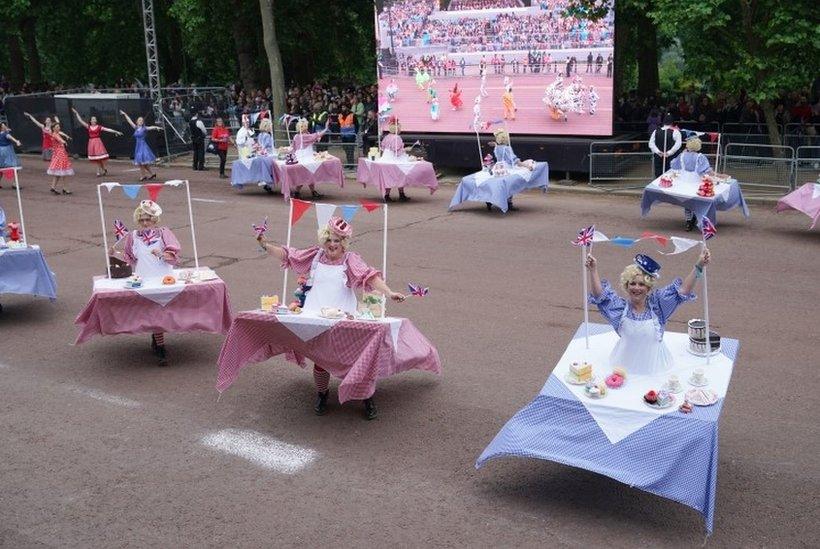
(277, 77)
(763, 46)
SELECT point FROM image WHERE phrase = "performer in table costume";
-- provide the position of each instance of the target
(303, 149)
(152, 252)
(504, 154)
(334, 274)
(393, 150)
(692, 160)
(640, 318)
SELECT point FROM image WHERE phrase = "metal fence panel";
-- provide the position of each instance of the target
(765, 168)
(807, 165)
(618, 162)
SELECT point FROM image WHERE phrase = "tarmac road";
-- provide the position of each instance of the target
(101, 448)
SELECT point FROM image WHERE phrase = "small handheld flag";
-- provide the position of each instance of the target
(585, 236)
(261, 229)
(418, 291)
(707, 228)
(120, 230)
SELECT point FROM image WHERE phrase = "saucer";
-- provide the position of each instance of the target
(694, 384)
(666, 388)
(669, 404)
(701, 397)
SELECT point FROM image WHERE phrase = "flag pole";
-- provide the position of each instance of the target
(585, 292)
(105, 238)
(706, 307)
(20, 207)
(663, 158)
(384, 260)
(285, 275)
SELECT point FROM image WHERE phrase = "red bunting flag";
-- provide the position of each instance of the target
(8, 174)
(299, 209)
(153, 190)
(660, 239)
(369, 206)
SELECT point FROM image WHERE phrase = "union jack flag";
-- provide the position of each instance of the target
(418, 291)
(259, 230)
(120, 230)
(149, 236)
(707, 228)
(585, 236)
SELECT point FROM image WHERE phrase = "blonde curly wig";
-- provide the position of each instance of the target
(629, 274)
(324, 235)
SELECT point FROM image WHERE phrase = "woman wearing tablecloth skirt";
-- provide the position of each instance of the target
(143, 155)
(60, 165)
(334, 274)
(303, 149)
(692, 160)
(392, 149)
(152, 252)
(641, 317)
(8, 159)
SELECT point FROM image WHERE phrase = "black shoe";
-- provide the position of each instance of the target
(489, 206)
(691, 224)
(511, 207)
(316, 195)
(296, 194)
(370, 410)
(403, 197)
(321, 403)
(388, 198)
(268, 189)
(154, 344)
(163, 357)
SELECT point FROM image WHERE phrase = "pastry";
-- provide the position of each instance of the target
(168, 280)
(701, 397)
(133, 281)
(332, 312)
(269, 302)
(651, 397)
(580, 372)
(614, 381)
(664, 399)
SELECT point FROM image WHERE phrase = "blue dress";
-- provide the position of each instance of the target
(7, 157)
(505, 154)
(142, 152)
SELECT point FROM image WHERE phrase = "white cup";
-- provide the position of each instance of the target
(699, 375)
(673, 383)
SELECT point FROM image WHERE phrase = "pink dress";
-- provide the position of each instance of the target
(96, 149)
(359, 274)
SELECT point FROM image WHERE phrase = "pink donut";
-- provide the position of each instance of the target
(614, 381)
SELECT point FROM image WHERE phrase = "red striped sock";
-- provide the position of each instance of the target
(322, 378)
(160, 339)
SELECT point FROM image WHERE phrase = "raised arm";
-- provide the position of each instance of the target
(82, 122)
(15, 141)
(110, 130)
(37, 122)
(66, 137)
(271, 249)
(380, 285)
(128, 119)
(594, 278)
(153, 128)
(696, 272)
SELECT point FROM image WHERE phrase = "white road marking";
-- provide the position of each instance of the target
(262, 450)
(132, 170)
(207, 200)
(4, 366)
(105, 397)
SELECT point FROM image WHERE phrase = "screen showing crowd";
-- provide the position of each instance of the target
(454, 66)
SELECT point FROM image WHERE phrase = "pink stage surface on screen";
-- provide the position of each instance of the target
(546, 71)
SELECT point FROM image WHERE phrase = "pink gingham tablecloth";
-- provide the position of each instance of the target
(388, 175)
(358, 352)
(806, 199)
(290, 176)
(204, 307)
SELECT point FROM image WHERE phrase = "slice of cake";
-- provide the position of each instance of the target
(581, 372)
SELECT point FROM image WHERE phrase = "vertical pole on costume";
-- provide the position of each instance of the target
(478, 141)
(285, 276)
(717, 155)
(706, 309)
(105, 238)
(20, 208)
(384, 260)
(585, 292)
(663, 158)
(191, 219)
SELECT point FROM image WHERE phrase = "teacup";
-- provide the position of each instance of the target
(673, 384)
(699, 376)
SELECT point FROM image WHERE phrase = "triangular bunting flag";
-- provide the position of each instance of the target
(369, 206)
(131, 191)
(349, 211)
(110, 186)
(299, 209)
(660, 239)
(323, 213)
(153, 190)
(681, 245)
(8, 174)
(598, 236)
(174, 182)
(623, 241)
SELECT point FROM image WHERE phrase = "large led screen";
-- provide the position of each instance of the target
(449, 66)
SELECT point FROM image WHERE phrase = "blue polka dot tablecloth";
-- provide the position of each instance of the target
(674, 456)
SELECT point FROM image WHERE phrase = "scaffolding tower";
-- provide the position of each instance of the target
(153, 61)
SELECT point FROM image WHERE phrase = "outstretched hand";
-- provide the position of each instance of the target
(591, 263)
(705, 258)
(396, 296)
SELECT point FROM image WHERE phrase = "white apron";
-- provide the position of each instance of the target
(329, 288)
(148, 265)
(641, 350)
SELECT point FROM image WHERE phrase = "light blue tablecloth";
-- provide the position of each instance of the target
(260, 172)
(701, 206)
(25, 271)
(497, 190)
(674, 456)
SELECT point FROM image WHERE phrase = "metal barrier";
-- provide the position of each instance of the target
(766, 168)
(619, 162)
(807, 165)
